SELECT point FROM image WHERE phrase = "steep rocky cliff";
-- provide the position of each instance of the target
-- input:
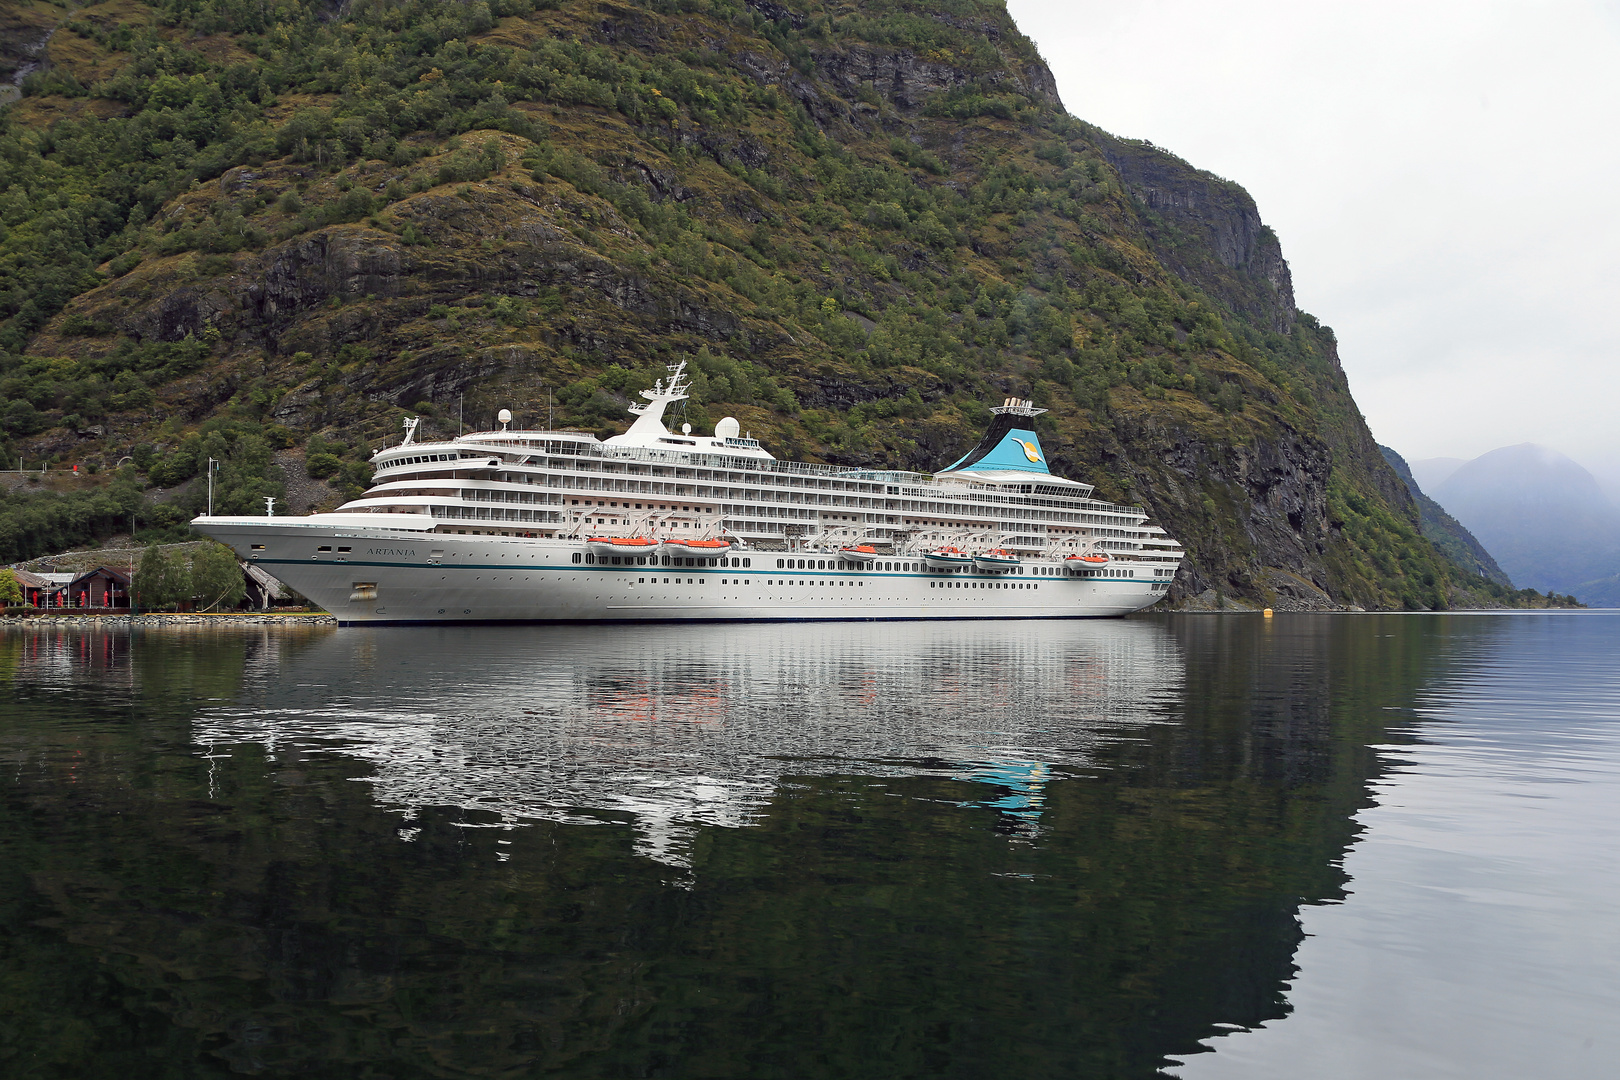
(862, 225)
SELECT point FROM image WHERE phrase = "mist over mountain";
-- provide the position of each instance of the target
(1430, 473)
(1545, 518)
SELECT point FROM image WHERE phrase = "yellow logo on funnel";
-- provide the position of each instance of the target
(1029, 450)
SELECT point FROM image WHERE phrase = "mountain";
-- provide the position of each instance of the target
(1544, 517)
(263, 234)
(1445, 531)
(1430, 473)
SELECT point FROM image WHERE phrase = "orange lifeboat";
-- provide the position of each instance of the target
(705, 548)
(997, 559)
(948, 558)
(620, 545)
(860, 553)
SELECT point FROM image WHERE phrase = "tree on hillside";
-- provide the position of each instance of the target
(216, 578)
(10, 589)
(163, 579)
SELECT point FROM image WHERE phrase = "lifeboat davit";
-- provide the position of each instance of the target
(620, 545)
(705, 548)
(1093, 560)
(997, 559)
(948, 558)
(861, 553)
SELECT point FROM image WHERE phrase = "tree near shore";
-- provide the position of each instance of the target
(163, 579)
(10, 588)
(216, 578)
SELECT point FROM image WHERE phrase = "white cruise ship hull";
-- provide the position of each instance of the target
(390, 576)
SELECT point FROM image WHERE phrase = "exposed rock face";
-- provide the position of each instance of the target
(909, 81)
(1277, 515)
(1238, 259)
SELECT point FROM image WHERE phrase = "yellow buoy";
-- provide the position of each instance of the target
(1266, 613)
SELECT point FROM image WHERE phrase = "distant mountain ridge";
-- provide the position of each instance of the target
(1544, 517)
(1444, 531)
(1430, 473)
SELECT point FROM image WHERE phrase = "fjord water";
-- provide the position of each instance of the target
(1087, 849)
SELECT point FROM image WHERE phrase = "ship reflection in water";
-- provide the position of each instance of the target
(949, 850)
(676, 728)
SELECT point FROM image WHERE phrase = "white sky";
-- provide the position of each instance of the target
(1444, 177)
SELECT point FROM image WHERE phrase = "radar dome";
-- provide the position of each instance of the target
(504, 416)
(727, 428)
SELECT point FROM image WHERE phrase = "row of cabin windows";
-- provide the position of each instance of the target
(984, 585)
(655, 560)
(838, 564)
(903, 567)
(426, 457)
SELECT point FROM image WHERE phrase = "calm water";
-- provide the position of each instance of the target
(1326, 846)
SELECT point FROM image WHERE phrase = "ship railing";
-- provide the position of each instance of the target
(968, 489)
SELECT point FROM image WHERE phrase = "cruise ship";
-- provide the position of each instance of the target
(660, 525)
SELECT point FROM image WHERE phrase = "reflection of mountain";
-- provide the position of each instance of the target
(954, 851)
(696, 726)
(1544, 517)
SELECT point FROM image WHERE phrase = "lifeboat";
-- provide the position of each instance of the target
(1092, 560)
(859, 553)
(996, 559)
(620, 545)
(948, 558)
(705, 548)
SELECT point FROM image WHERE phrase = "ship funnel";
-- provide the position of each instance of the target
(1010, 445)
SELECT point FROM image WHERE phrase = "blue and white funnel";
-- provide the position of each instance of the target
(1009, 446)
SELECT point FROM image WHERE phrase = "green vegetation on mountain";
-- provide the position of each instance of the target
(268, 223)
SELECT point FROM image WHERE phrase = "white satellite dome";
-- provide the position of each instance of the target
(727, 428)
(504, 416)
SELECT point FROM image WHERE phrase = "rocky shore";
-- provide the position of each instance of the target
(101, 621)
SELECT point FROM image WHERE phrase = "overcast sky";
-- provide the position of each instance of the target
(1444, 177)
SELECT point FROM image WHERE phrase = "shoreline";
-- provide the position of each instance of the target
(245, 618)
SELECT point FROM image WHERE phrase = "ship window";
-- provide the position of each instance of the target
(324, 547)
(590, 559)
(747, 563)
(345, 549)
(258, 547)
(779, 564)
(617, 560)
(665, 561)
